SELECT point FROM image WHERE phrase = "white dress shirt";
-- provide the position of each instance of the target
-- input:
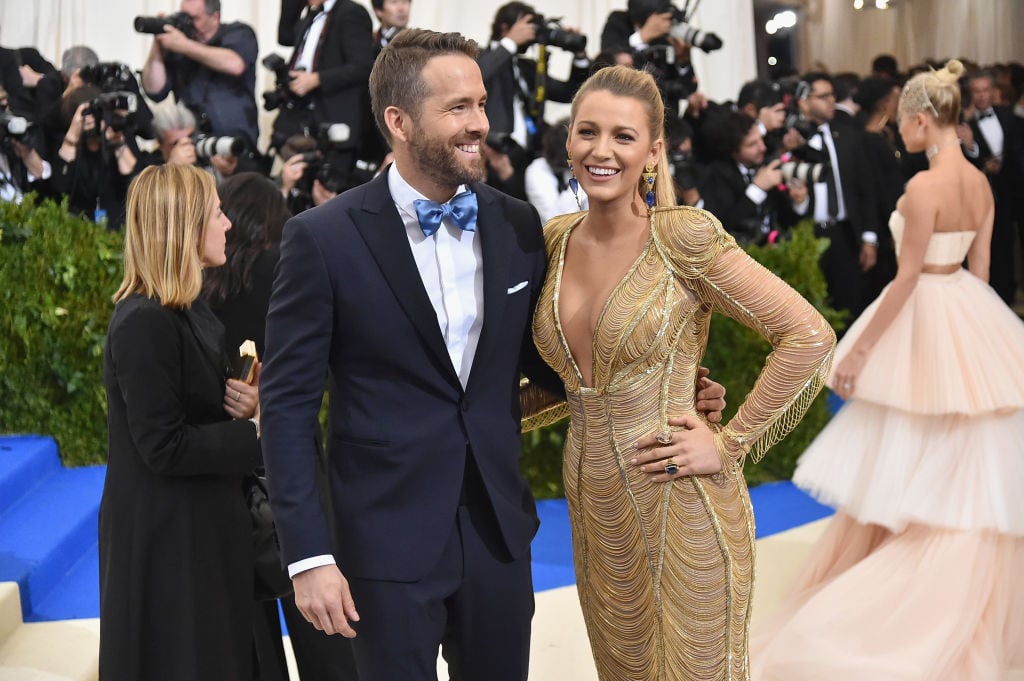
(992, 131)
(821, 188)
(312, 39)
(450, 264)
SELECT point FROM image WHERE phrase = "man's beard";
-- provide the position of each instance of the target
(438, 160)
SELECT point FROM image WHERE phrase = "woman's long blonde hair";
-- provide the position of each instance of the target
(167, 214)
(624, 81)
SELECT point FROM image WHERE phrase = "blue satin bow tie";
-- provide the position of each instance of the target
(462, 210)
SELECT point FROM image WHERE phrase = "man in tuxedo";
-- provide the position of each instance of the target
(421, 336)
(329, 68)
(413, 293)
(992, 141)
(741, 190)
(843, 204)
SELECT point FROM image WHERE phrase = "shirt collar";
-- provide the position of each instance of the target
(405, 195)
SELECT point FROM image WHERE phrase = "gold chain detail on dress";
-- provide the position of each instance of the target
(665, 571)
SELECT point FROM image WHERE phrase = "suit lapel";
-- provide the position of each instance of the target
(384, 233)
(496, 246)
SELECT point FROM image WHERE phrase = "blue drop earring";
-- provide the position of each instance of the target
(574, 184)
(649, 176)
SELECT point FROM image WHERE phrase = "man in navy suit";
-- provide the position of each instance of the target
(414, 293)
(992, 141)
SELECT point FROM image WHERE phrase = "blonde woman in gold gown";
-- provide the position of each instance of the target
(663, 531)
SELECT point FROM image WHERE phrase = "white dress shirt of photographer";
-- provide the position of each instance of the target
(547, 189)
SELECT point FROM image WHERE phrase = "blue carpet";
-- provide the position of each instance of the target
(48, 536)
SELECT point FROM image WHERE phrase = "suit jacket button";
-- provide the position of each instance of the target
(465, 405)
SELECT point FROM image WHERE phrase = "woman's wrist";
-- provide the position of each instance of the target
(70, 142)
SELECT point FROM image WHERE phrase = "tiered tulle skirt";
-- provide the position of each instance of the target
(919, 577)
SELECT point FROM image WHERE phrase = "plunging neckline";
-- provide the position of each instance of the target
(557, 296)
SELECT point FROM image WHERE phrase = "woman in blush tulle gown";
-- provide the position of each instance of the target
(919, 576)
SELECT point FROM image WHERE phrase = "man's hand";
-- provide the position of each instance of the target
(321, 194)
(29, 77)
(523, 32)
(225, 165)
(656, 26)
(696, 103)
(792, 140)
(769, 176)
(303, 82)
(710, 396)
(291, 172)
(183, 152)
(966, 135)
(797, 191)
(323, 597)
(868, 256)
(501, 164)
(173, 40)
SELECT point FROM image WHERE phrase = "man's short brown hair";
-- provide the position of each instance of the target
(397, 76)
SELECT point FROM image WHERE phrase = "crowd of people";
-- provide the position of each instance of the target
(818, 146)
(415, 277)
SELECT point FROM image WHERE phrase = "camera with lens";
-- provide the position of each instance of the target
(501, 142)
(683, 168)
(110, 76)
(808, 172)
(116, 109)
(281, 95)
(155, 25)
(550, 32)
(682, 29)
(208, 146)
(12, 125)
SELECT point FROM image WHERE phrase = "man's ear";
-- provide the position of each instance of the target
(397, 122)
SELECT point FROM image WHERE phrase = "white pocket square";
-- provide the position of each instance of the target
(518, 287)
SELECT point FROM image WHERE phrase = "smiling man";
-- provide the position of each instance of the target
(413, 292)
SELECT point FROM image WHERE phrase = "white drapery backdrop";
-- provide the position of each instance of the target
(106, 25)
(844, 39)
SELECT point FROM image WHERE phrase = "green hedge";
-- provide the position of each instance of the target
(735, 357)
(57, 273)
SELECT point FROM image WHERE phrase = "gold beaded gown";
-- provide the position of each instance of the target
(665, 570)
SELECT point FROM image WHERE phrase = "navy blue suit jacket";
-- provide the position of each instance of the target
(348, 301)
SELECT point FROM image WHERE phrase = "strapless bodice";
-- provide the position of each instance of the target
(944, 248)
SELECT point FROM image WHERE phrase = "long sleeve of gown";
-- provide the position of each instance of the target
(724, 277)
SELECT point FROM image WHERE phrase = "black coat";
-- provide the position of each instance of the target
(724, 192)
(343, 58)
(176, 570)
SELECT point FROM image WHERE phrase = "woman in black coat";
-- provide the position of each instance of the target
(176, 566)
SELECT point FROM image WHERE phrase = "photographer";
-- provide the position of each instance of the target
(660, 38)
(179, 143)
(22, 169)
(742, 190)
(764, 101)
(98, 157)
(512, 80)
(210, 66)
(843, 202)
(328, 72)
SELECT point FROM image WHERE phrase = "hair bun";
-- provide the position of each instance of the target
(951, 72)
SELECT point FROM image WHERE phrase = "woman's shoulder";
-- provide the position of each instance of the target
(691, 237)
(139, 315)
(557, 226)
